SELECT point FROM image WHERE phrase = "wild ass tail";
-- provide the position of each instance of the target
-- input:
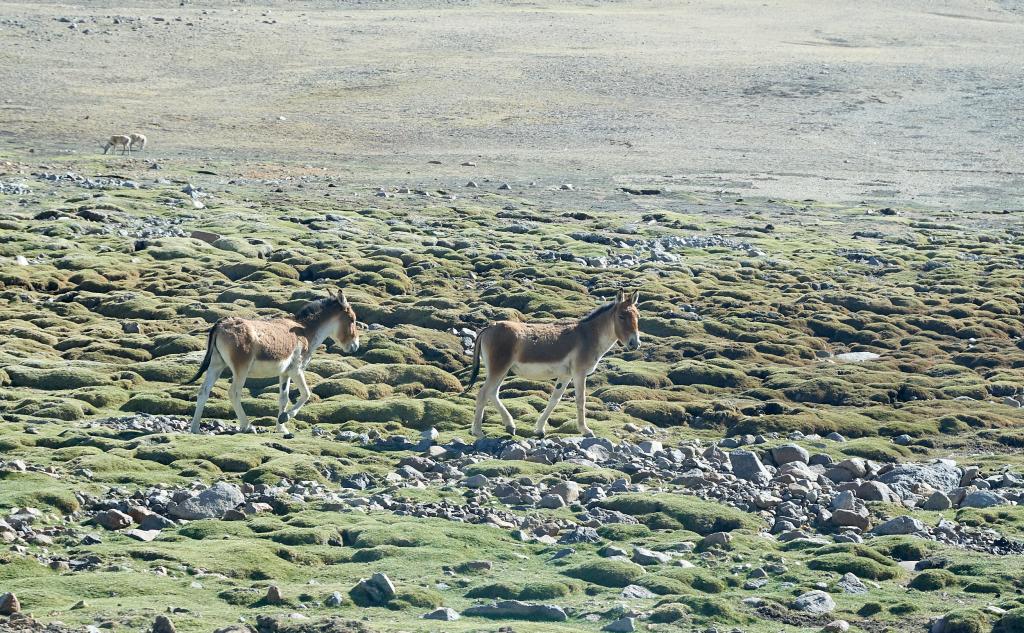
(476, 364)
(209, 354)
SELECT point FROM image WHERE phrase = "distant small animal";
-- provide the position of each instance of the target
(268, 348)
(119, 140)
(565, 352)
(137, 139)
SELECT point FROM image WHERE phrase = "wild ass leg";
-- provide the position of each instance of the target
(284, 382)
(580, 383)
(489, 391)
(478, 417)
(235, 393)
(300, 380)
(556, 395)
(212, 374)
(506, 417)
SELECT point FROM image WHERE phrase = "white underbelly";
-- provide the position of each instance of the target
(269, 368)
(541, 371)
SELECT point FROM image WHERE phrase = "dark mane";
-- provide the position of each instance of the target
(318, 310)
(597, 312)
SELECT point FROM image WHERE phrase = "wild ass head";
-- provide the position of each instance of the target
(346, 334)
(331, 317)
(627, 319)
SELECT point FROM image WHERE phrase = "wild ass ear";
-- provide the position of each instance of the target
(620, 296)
(341, 297)
(634, 299)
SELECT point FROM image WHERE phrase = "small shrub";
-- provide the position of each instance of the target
(933, 580)
(607, 573)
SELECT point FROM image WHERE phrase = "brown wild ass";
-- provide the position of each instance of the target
(273, 348)
(119, 140)
(559, 351)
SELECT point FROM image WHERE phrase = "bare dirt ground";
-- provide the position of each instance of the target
(912, 102)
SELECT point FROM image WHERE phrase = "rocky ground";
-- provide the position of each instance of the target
(820, 430)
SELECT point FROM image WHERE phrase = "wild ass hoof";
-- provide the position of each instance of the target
(588, 433)
(511, 430)
(281, 419)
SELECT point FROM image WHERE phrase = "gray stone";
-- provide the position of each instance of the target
(983, 499)
(445, 614)
(569, 491)
(552, 502)
(850, 583)
(211, 503)
(156, 522)
(755, 583)
(836, 626)
(876, 491)
(747, 465)
(845, 500)
(335, 599)
(476, 481)
(518, 610)
(643, 556)
(790, 453)
(143, 535)
(937, 501)
(900, 525)
(622, 625)
(636, 592)
(856, 466)
(375, 590)
(612, 550)
(816, 602)
(904, 479)
(650, 447)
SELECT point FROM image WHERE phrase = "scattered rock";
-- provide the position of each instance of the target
(747, 465)
(622, 625)
(444, 614)
(212, 503)
(643, 556)
(816, 602)
(375, 591)
(519, 610)
(790, 453)
(937, 501)
(850, 583)
(900, 525)
(636, 592)
(983, 499)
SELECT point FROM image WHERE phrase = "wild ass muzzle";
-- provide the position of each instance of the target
(563, 352)
(281, 348)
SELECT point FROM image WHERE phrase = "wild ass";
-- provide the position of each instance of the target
(275, 347)
(119, 140)
(559, 351)
(137, 139)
